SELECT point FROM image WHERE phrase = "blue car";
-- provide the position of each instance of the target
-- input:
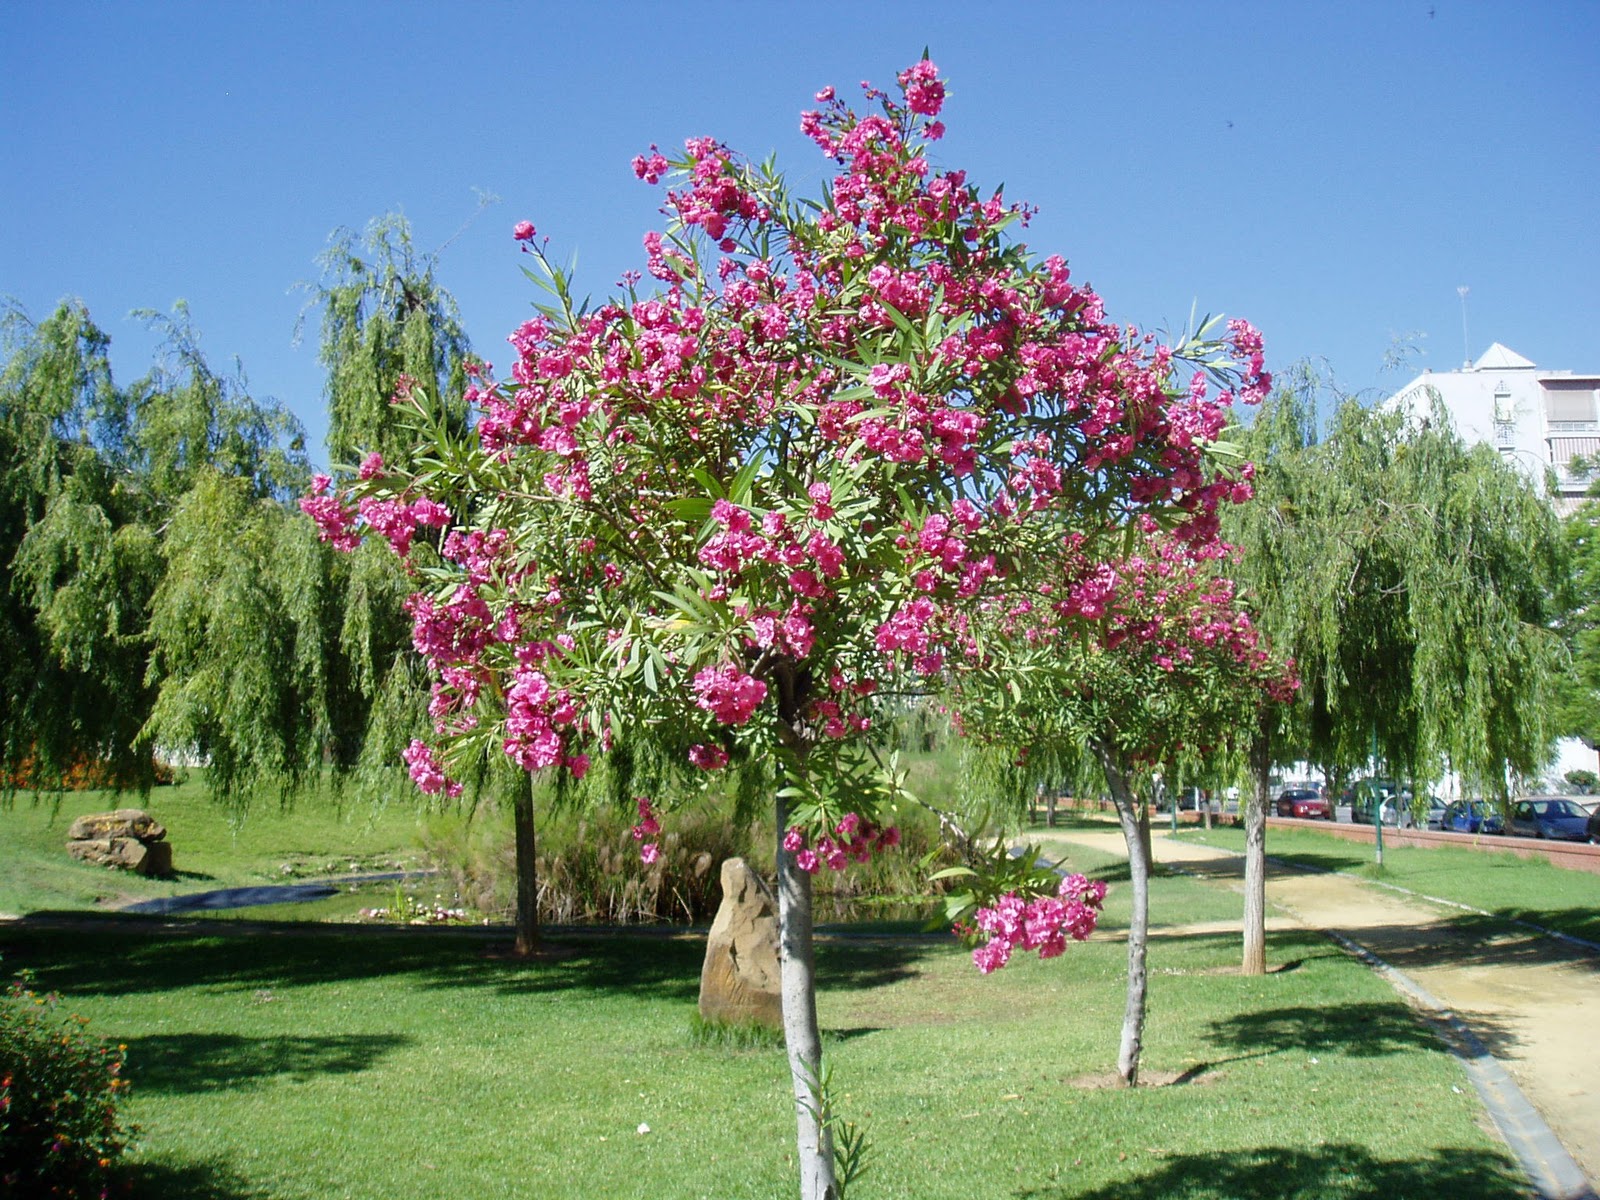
(1561, 820)
(1471, 816)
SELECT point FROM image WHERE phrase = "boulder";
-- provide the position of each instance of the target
(739, 981)
(128, 838)
(124, 822)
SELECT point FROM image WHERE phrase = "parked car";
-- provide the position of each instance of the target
(1436, 808)
(1559, 819)
(1471, 816)
(1303, 802)
(1372, 796)
(1594, 828)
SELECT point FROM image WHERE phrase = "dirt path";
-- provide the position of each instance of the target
(1533, 1001)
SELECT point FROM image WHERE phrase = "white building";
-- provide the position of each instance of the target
(1536, 419)
(1544, 421)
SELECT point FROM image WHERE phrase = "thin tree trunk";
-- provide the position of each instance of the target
(527, 866)
(1255, 858)
(1136, 833)
(798, 990)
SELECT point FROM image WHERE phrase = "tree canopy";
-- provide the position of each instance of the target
(1411, 576)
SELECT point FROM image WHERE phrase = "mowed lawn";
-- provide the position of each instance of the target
(325, 1063)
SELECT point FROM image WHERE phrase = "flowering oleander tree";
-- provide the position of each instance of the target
(744, 504)
(1171, 665)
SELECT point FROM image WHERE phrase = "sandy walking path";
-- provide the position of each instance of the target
(1532, 1000)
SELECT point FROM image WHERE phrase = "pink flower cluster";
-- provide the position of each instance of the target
(426, 772)
(648, 827)
(708, 758)
(728, 694)
(395, 519)
(1043, 923)
(335, 520)
(535, 717)
(854, 839)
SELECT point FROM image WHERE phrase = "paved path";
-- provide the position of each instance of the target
(1530, 1001)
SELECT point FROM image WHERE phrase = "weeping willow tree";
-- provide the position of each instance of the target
(384, 318)
(102, 485)
(76, 569)
(1578, 688)
(1412, 578)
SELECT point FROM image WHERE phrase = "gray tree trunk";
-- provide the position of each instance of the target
(1136, 833)
(1255, 858)
(527, 865)
(798, 991)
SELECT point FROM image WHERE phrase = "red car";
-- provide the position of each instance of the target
(1303, 802)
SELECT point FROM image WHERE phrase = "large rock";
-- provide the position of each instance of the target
(128, 838)
(739, 981)
(124, 822)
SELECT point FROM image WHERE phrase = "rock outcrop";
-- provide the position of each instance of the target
(739, 981)
(129, 838)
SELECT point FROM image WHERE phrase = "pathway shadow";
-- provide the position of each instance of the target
(1344, 1172)
(1471, 941)
(1580, 922)
(206, 1062)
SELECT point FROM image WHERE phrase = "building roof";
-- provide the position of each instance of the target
(1501, 358)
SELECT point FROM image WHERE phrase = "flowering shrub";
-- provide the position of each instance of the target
(746, 503)
(59, 1089)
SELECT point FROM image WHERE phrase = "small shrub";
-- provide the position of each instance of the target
(59, 1089)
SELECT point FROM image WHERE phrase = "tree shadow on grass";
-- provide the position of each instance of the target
(1318, 860)
(859, 965)
(1369, 1030)
(1336, 1172)
(207, 1062)
(177, 1179)
(128, 960)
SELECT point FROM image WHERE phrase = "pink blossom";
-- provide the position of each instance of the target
(708, 758)
(426, 772)
(648, 853)
(523, 231)
(728, 694)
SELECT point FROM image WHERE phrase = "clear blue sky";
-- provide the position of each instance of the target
(1332, 171)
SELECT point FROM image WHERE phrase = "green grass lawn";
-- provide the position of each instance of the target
(212, 848)
(421, 1064)
(1495, 881)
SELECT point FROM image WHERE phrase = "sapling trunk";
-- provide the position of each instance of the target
(798, 991)
(527, 865)
(1255, 858)
(1136, 833)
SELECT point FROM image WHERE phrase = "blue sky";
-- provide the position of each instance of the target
(1332, 171)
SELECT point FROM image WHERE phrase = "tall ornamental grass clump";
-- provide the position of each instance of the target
(60, 1133)
(590, 871)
